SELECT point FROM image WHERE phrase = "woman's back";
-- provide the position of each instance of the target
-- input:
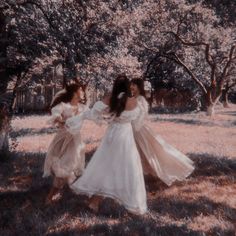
(130, 112)
(131, 102)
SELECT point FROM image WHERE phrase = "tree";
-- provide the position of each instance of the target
(219, 69)
(225, 92)
(200, 45)
(48, 31)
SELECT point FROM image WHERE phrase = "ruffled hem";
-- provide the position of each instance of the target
(67, 168)
(162, 157)
(90, 193)
(174, 179)
(71, 178)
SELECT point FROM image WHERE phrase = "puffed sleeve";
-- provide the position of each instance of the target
(143, 112)
(95, 114)
(56, 114)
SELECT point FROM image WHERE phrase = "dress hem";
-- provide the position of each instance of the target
(179, 178)
(110, 195)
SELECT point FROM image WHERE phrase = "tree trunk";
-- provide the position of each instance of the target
(4, 129)
(64, 83)
(4, 105)
(69, 74)
(151, 99)
(209, 105)
(14, 93)
(225, 98)
(4, 142)
(211, 110)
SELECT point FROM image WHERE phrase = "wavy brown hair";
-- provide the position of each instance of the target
(117, 105)
(140, 85)
(67, 96)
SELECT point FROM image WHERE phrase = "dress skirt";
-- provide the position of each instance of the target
(115, 170)
(65, 157)
(161, 159)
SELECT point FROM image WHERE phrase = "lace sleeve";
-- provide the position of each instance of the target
(143, 112)
(97, 112)
(75, 123)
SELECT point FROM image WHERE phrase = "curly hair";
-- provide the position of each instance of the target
(68, 94)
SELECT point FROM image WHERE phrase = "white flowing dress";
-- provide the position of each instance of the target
(158, 157)
(66, 153)
(115, 169)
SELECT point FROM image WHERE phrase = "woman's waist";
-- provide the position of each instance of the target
(120, 123)
(115, 127)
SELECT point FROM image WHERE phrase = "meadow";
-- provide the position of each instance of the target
(203, 204)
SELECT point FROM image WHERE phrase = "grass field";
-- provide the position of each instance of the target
(204, 204)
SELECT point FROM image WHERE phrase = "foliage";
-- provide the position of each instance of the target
(96, 41)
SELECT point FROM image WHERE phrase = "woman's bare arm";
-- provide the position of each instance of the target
(131, 104)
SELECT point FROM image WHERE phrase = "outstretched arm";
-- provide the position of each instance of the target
(74, 124)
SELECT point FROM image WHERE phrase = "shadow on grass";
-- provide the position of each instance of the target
(231, 113)
(30, 131)
(226, 124)
(179, 209)
(210, 165)
(21, 163)
(137, 227)
(184, 121)
(23, 210)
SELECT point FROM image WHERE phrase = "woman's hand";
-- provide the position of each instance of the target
(59, 122)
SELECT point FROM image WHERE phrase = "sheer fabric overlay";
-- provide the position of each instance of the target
(158, 157)
(66, 153)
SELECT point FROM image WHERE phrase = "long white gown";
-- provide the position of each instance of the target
(66, 153)
(158, 157)
(115, 169)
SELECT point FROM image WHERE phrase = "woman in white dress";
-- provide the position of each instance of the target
(65, 157)
(158, 157)
(115, 169)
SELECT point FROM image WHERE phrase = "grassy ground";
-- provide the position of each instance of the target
(204, 204)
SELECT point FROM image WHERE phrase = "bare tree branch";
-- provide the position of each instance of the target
(174, 57)
(228, 63)
(195, 44)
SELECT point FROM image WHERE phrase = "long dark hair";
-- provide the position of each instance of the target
(67, 96)
(140, 85)
(117, 103)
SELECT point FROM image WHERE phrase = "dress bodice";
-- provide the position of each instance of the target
(127, 116)
(99, 113)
